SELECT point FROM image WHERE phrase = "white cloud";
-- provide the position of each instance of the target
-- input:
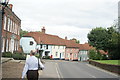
(72, 18)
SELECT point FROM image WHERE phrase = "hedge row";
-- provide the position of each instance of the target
(94, 55)
(15, 55)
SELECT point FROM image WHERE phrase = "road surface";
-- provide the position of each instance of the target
(68, 69)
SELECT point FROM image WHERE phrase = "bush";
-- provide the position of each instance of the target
(46, 57)
(7, 54)
(19, 56)
(37, 55)
(93, 54)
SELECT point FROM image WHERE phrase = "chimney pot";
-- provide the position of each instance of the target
(43, 29)
(66, 38)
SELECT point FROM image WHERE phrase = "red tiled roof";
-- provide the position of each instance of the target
(45, 38)
(51, 39)
(71, 43)
(85, 46)
(103, 52)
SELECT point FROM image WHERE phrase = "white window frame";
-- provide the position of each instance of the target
(8, 24)
(3, 45)
(5, 20)
(7, 45)
(56, 54)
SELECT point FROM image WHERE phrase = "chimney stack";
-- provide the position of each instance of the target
(10, 6)
(43, 29)
(66, 38)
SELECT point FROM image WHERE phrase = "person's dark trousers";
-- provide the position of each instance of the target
(32, 74)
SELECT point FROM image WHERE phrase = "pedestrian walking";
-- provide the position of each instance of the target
(31, 67)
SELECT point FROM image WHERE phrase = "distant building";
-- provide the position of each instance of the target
(10, 30)
(51, 45)
(84, 51)
(71, 51)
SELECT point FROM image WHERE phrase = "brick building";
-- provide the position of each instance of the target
(10, 30)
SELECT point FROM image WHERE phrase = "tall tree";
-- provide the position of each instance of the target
(107, 40)
(114, 43)
(23, 32)
(98, 38)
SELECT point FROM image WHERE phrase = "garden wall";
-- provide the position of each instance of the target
(109, 67)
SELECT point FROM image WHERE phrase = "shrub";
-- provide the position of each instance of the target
(7, 54)
(96, 55)
(92, 54)
(19, 56)
(37, 55)
(46, 57)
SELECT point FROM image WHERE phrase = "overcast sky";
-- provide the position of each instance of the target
(71, 18)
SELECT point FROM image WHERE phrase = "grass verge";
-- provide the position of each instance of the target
(114, 62)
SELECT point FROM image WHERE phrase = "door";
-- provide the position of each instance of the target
(60, 55)
(71, 56)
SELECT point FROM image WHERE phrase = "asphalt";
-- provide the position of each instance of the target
(82, 70)
(73, 69)
(56, 69)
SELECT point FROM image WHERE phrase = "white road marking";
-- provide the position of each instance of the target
(92, 76)
(40, 72)
(102, 70)
(57, 71)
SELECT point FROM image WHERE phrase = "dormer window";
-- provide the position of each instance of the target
(31, 43)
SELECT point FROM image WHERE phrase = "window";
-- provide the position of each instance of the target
(11, 25)
(75, 55)
(68, 55)
(8, 24)
(31, 42)
(3, 44)
(46, 46)
(40, 45)
(63, 54)
(56, 54)
(5, 23)
(18, 29)
(14, 28)
(7, 45)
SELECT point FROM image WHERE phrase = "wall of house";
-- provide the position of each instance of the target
(26, 44)
(83, 55)
(46, 49)
(58, 52)
(10, 31)
(71, 53)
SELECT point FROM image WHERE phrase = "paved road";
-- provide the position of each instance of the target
(57, 69)
(66, 69)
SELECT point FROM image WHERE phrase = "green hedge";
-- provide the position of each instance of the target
(19, 56)
(37, 55)
(94, 55)
(7, 54)
(46, 57)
